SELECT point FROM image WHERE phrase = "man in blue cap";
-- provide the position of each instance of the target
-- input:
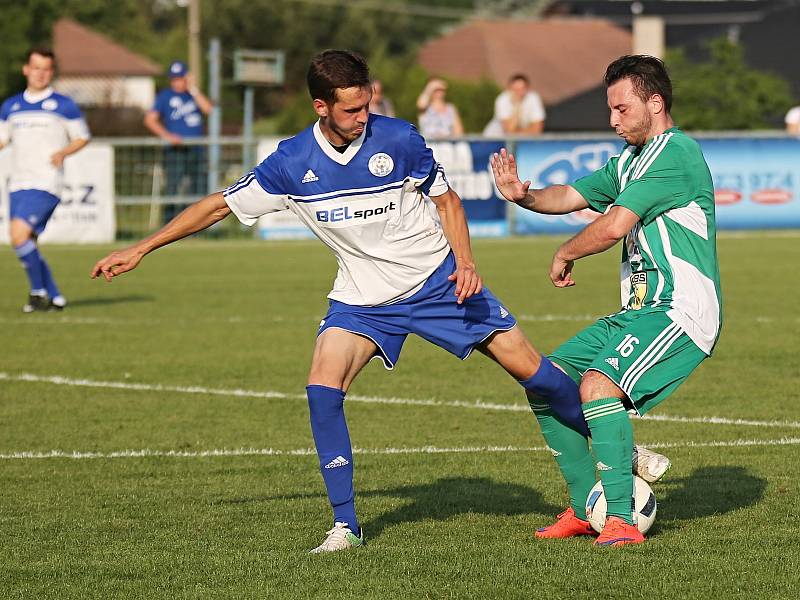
(177, 116)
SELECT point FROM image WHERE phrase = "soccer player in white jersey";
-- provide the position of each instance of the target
(43, 128)
(358, 181)
(658, 196)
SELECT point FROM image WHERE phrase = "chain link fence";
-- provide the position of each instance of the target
(154, 181)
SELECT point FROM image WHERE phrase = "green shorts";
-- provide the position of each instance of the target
(645, 353)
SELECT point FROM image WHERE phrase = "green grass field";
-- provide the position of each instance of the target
(154, 440)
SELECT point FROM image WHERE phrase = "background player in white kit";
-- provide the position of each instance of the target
(43, 128)
(357, 181)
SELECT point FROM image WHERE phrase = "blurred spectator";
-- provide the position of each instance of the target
(380, 104)
(176, 116)
(793, 121)
(518, 110)
(437, 117)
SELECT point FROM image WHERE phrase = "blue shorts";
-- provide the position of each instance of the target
(432, 313)
(35, 207)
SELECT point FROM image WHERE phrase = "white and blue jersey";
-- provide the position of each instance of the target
(366, 204)
(179, 113)
(37, 126)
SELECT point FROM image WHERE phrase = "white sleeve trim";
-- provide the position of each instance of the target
(78, 130)
(251, 201)
(440, 184)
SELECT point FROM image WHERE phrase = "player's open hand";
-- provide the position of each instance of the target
(57, 159)
(117, 263)
(468, 282)
(504, 168)
(561, 272)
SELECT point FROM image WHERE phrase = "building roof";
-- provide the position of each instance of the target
(81, 51)
(562, 57)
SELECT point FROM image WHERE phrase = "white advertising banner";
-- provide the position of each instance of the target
(86, 212)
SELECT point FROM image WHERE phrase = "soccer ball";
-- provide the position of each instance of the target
(644, 505)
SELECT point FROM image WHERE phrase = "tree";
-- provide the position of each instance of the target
(723, 92)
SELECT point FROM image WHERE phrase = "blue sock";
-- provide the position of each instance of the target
(332, 439)
(47, 277)
(28, 255)
(561, 393)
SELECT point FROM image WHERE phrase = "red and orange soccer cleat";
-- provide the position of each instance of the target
(617, 532)
(568, 525)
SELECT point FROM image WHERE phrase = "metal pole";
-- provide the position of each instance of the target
(247, 129)
(215, 118)
(194, 42)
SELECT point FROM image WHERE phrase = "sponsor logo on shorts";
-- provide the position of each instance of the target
(614, 362)
(503, 313)
(554, 452)
(601, 466)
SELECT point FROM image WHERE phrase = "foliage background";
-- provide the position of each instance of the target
(718, 93)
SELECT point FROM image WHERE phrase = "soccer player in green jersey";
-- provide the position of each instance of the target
(656, 196)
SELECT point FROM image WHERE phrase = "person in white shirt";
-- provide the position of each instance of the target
(793, 121)
(517, 111)
(43, 128)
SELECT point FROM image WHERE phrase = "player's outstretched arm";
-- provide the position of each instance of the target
(198, 216)
(552, 200)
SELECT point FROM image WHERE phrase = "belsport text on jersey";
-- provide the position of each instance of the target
(342, 213)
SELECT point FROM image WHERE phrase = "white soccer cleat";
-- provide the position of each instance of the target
(649, 465)
(340, 537)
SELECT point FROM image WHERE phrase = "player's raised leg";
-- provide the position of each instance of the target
(339, 355)
(547, 386)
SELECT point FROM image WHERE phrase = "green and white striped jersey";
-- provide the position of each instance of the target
(669, 259)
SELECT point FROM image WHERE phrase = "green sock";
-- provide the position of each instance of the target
(571, 451)
(612, 446)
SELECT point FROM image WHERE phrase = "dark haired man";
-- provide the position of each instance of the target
(657, 195)
(358, 181)
(43, 128)
(518, 110)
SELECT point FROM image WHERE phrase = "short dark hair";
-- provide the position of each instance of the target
(41, 51)
(331, 70)
(648, 75)
(519, 77)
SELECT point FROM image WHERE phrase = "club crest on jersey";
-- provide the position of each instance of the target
(381, 164)
(49, 104)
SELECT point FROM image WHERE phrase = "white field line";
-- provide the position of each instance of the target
(240, 393)
(72, 320)
(147, 453)
(51, 319)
